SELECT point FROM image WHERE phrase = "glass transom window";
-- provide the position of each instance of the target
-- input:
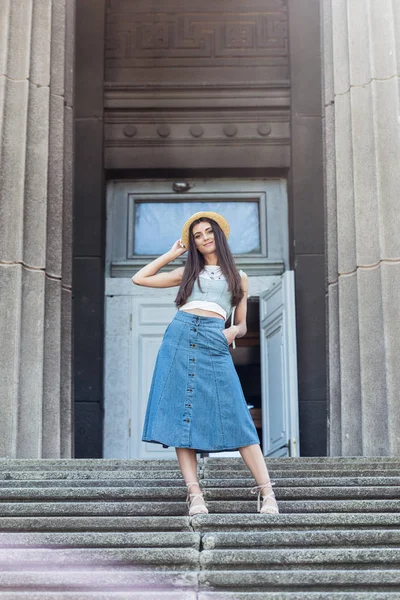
(157, 225)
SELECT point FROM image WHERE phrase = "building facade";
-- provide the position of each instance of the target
(282, 112)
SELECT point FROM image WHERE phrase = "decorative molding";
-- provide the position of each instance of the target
(177, 39)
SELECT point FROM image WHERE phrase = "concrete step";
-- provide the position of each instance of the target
(295, 522)
(131, 595)
(132, 580)
(140, 508)
(157, 539)
(102, 579)
(178, 492)
(245, 482)
(335, 580)
(53, 558)
(301, 539)
(204, 523)
(277, 558)
(94, 523)
(229, 464)
(210, 541)
(119, 529)
(353, 595)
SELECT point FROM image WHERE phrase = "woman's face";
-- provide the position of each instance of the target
(204, 237)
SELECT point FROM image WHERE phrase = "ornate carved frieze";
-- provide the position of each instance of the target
(198, 76)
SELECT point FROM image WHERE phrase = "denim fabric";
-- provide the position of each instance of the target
(196, 399)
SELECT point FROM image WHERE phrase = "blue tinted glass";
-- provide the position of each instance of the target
(159, 224)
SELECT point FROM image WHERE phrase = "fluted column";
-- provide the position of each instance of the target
(36, 58)
(362, 182)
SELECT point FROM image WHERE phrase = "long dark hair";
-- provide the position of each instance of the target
(195, 263)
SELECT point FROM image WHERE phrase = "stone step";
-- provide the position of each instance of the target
(240, 580)
(192, 595)
(305, 579)
(204, 523)
(245, 482)
(296, 539)
(101, 579)
(298, 477)
(121, 508)
(94, 523)
(53, 558)
(310, 463)
(233, 462)
(277, 558)
(299, 473)
(178, 493)
(295, 522)
(353, 595)
(157, 539)
(210, 541)
(131, 595)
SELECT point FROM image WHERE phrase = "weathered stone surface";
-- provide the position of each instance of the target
(365, 65)
(340, 47)
(330, 195)
(332, 579)
(359, 43)
(391, 315)
(386, 98)
(13, 170)
(365, 176)
(156, 557)
(375, 418)
(10, 292)
(97, 523)
(30, 372)
(334, 374)
(344, 187)
(36, 170)
(278, 558)
(296, 539)
(157, 539)
(34, 206)
(4, 34)
(40, 53)
(350, 368)
(51, 380)
(19, 39)
(57, 67)
(106, 579)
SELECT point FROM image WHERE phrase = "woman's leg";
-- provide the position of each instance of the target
(254, 459)
(188, 465)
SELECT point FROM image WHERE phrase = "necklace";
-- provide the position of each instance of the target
(214, 271)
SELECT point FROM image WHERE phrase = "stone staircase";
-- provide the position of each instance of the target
(116, 529)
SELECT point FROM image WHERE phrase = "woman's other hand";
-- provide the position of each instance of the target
(230, 333)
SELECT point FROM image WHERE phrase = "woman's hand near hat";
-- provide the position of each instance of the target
(178, 248)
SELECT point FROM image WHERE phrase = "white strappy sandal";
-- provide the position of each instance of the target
(266, 508)
(196, 509)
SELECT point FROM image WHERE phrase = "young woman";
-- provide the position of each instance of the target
(196, 402)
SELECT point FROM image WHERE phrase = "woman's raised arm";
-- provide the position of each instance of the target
(148, 275)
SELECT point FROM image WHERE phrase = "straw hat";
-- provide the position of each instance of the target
(222, 222)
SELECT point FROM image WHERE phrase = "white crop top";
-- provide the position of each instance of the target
(211, 306)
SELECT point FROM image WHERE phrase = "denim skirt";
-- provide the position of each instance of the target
(196, 399)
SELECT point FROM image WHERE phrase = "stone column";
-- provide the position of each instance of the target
(36, 85)
(362, 180)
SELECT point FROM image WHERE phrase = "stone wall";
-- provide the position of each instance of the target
(362, 179)
(36, 84)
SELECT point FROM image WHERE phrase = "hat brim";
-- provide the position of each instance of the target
(222, 222)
